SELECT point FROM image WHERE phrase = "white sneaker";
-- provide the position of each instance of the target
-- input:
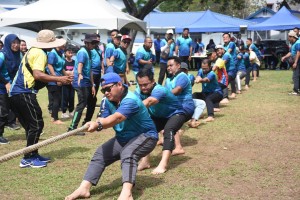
(65, 116)
(71, 114)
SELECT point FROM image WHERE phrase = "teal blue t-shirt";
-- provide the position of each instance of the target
(141, 54)
(212, 85)
(168, 104)
(96, 61)
(120, 61)
(83, 57)
(185, 97)
(184, 45)
(4, 74)
(138, 120)
(58, 63)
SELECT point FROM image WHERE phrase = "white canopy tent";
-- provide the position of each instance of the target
(52, 14)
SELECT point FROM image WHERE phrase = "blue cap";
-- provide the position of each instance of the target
(110, 78)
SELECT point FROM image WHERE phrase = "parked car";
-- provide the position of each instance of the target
(277, 47)
(274, 50)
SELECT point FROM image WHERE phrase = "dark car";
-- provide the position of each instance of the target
(274, 50)
(277, 47)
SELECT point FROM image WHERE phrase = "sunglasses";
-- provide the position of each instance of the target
(107, 89)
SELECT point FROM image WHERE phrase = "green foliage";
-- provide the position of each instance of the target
(28, 1)
(237, 8)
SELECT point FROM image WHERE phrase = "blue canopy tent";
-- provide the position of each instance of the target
(165, 20)
(282, 20)
(209, 22)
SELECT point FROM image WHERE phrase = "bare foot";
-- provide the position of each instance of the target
(178, 151)
(239, 92)
(232, 96)
(143, 165)
(217, 110)
(194, 124)
(159, 170)
(79, 193)
(160, 142)
(246, 87)
(58, 122)
(130, 197)
(124, 196)
(180, 132)
(224, 101)
(209, 119)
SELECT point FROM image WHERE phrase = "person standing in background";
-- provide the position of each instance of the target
(167, 49)
(10, 58)
(144, 56)
(96, 71)
(157, 42)
(110, 47)
(83, 81)
(184, 48)
(23, 47)
(55, 67)
(68, 92)
(24, 89)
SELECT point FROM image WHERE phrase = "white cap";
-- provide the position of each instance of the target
(219, 47)
(170, 31)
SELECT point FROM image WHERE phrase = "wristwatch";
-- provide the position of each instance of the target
(100, 127)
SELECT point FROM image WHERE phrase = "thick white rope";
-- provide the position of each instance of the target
(41, 144)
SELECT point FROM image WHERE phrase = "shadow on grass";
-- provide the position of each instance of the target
(112, 190)
(15, 135)
(65, 152)
(188, 141)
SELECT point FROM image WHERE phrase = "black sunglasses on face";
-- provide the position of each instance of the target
(107, 89)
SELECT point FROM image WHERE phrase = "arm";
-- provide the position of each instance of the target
(93, 84)
(176, 50)
(204, 80)
(111, 61)
(150, 101)
(145, 62)
(198, 79)
(41, 76)
(79, 70)
(107, 122)
(127, 67)
(177, 90)
(286, 56)
(51, 69)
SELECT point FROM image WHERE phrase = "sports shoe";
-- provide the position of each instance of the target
(294, 93)
(65, 116)
(72, 113)
(32, 162)
(42, 158)
(13, 127)
(3, 140)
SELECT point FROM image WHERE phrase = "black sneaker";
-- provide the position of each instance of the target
(3, 140)
(13, 127)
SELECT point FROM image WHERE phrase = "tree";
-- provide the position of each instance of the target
(28, 1)
(237, 8)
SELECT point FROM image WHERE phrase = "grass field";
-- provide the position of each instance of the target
(250, 151)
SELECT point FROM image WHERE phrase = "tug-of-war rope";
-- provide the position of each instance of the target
(41, 144)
